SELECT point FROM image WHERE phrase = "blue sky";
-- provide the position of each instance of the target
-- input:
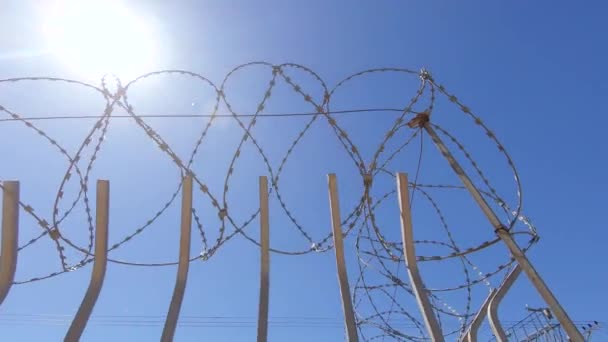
(533, 71)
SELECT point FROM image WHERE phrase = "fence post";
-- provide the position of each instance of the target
(471, 333)
(499, 332)
(347, 304)
(184, 262)
(99, 264)
(503, 233)
(264, 262)
(409, 253)
(10, 236)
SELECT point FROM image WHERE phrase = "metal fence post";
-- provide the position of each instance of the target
(347, 304)
(503, 233)
(472, 331)
(99, 264)
(184, 262)
(10, 236)
(409, 254)
(264, 262)
(499, 332)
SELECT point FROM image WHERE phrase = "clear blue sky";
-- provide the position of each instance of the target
(534, 71)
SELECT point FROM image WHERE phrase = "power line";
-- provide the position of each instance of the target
(185, 321)
(195, 319)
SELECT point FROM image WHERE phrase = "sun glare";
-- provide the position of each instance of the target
(98, 37)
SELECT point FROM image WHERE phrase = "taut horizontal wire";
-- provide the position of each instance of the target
(184, 116)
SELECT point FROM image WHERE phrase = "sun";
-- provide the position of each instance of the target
(98, 37)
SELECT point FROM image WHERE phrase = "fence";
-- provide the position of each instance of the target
(371, 242)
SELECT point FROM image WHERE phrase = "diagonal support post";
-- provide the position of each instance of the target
(347, 304)
(183, 264)
(99, 264)
(10, 236)
(409, 253)
(505, 236)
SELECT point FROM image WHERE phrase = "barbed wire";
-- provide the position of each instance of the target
(380, 287)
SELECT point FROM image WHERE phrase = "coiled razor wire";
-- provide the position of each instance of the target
(378, 282)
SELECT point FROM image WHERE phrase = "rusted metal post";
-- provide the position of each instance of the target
(471, 333)
(99, 264)
(409, 253)
(10, 236)
(264, 262)
(184, 262)
(503, 233)
(499, 332)
(347, 304)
